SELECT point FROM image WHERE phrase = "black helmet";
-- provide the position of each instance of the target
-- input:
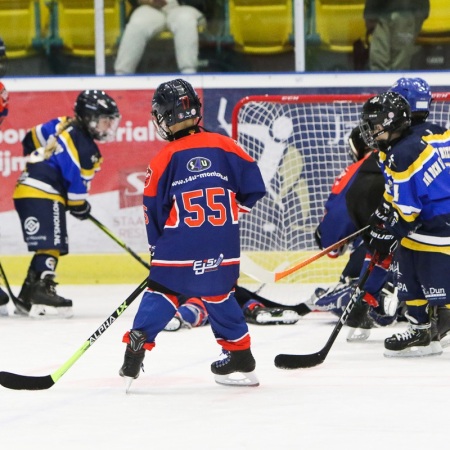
(388, 112)
(174, 102)
(92, 106)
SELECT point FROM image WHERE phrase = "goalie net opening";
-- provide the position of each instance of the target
(301, 145)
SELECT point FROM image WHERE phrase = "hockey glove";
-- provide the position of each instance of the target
(380, 216)
(381, 240)
(318, 238)
(82, 211)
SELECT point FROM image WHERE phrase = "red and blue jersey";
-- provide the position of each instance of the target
(194, 191)
(336, 223)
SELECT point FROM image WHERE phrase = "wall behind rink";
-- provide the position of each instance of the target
(117, 189)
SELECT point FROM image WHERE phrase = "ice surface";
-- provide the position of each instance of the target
(356, 399)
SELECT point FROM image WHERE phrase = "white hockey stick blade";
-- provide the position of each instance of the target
(253, 270)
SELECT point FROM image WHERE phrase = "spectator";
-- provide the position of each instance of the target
(394, 26)
(149, 18)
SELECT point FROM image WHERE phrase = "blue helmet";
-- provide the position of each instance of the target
(416, 91)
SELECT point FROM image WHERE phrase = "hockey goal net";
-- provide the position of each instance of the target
(301, 145)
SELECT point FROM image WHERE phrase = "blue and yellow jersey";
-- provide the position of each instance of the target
(194, 191)
(417, 186)
(65, 176)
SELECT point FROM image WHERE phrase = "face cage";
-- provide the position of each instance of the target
(161, 127)
(108, 135)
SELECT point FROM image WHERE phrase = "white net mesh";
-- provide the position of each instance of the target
(301, 146)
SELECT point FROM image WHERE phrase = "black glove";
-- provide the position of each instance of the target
(380, 216)
(381, 240)
(82, 211)
(318, 238)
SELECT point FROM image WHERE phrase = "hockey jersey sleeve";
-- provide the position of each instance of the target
(418, 187)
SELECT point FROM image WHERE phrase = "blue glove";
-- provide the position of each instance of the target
(82, 211)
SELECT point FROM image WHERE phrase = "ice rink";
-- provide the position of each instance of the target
(356, 399)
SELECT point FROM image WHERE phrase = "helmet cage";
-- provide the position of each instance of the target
(386, 113)
(98, 113)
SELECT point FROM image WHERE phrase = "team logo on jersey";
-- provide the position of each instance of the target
(198, 164)
(31, 225)
(207, 265)
(148, 177)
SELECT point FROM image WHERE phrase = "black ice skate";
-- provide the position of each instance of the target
(359, 322)
(443, 325)
(38, 296)
(235, 368)
(414, 342)
(134, 357)
(4, 299)
(271, 316)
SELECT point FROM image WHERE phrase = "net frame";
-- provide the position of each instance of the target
(299, 158)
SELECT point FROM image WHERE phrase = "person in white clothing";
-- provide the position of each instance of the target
(151, 17)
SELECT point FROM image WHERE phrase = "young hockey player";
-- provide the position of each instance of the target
(63, 159)
(4, 100)
(414, 216)
(366, 189)
(257, 310)
(194, 190)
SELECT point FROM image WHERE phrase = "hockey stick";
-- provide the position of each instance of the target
(257, 272)
(119, 241)
(284, 361)
(17, 303)
(18, 382)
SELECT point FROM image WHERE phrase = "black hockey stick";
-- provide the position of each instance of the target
(284, 361)
(18, 382)
(119, 241)
(17, 303)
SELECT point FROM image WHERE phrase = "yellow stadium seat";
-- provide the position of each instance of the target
(74, 25)
(338, 23)
(261, 26)
(21, 26)
(436, 29)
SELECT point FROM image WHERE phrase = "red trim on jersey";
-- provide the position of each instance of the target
(342, 180)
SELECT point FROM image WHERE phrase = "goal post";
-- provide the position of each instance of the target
(300, 143)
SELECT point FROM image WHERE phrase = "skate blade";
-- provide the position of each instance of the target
(287, 317)
(357, 334)
(4, 310)
(45, 311)
(128, 382)
(238, 379)
(434, 349)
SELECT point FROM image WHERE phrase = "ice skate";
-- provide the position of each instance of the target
(414, 342)
(4, 299)
(235, 368)
(443, 325)
(271, 316)
(38, 298)
(359, 323)
(134, 357)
